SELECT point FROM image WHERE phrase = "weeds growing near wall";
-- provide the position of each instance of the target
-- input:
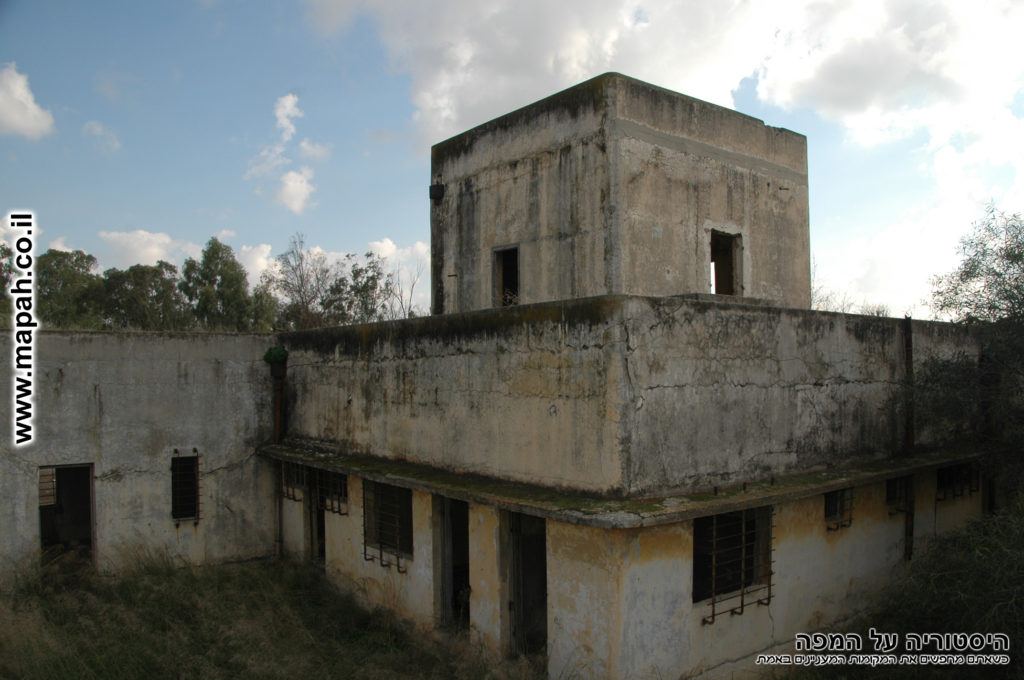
(264, 619)
(967, 581)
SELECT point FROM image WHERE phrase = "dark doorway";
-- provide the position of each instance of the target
(320, 531)
(455, 590)
(725, 263)
(506, 277)
(65, 510)
(317, 520)
(528, 585)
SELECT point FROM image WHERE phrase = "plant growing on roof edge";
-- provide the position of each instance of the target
(276, 355)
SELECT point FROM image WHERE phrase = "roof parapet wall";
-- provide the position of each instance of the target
(618, 395)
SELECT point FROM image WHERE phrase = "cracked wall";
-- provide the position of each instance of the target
(620, 395)
(123, 402)
(525, 393)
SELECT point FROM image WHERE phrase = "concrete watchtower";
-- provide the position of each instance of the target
(616, 186)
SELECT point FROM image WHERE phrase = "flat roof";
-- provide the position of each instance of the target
(588, 509)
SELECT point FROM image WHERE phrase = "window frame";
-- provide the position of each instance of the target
(719, 541)
(331, 491)
(293, 480)
(185, 487)
(838, 509)
(959, 479)
(726, 248)
(387, 524)
(501, 269)
(899, 494)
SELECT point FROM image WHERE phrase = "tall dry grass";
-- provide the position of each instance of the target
(264, 619)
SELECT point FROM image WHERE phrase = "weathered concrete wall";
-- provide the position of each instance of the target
(488, 587)
(615, 394)
(621, 605)
(585, 571)
(123, 402)
(722, 394)
(295, 537)
(613, 187)
(410, 594)
(520, 395)
(538, 179)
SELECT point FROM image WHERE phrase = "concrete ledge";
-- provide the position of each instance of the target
(602, 511)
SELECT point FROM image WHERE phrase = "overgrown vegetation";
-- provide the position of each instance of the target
(986, 294)
(262, 619)
(967, 581)
(972, 580)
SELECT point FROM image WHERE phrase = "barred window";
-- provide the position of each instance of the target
(332, 491)
(898, 494)
(387, 523)
(839, 509)
(293, 480)
(185, 487)
(732, 560)
(956, 480)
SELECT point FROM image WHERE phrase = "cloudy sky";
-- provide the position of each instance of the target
(137, 130)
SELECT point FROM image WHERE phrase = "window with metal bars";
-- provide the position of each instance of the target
(293, 480)
(838, 509)
(185, 488)
(898, 494)
(387, 524)
(732, 558)
(954, 481)
(332, 491)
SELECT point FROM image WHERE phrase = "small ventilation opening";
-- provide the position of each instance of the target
(725, 263)
(506, 277)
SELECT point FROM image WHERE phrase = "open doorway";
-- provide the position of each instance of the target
(65, 510)
(528, 585)
(455, 590)
(318, 531)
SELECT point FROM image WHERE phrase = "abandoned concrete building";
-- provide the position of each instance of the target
(622, 440)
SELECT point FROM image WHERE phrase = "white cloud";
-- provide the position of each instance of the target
(286, 108)
(314, 151)
(19, 113)
(470, 62)
(945, 72)
(60, 244)
(296, 188)
(225, 234)
(107, 139)
(266, 162)
(411, 268)
(145, 247)
(255, 259)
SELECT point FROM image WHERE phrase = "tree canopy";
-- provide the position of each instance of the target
(216, 289)
(988, 284)
(985, 292)
(315, 292)
(302, 290)
(68, 293)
